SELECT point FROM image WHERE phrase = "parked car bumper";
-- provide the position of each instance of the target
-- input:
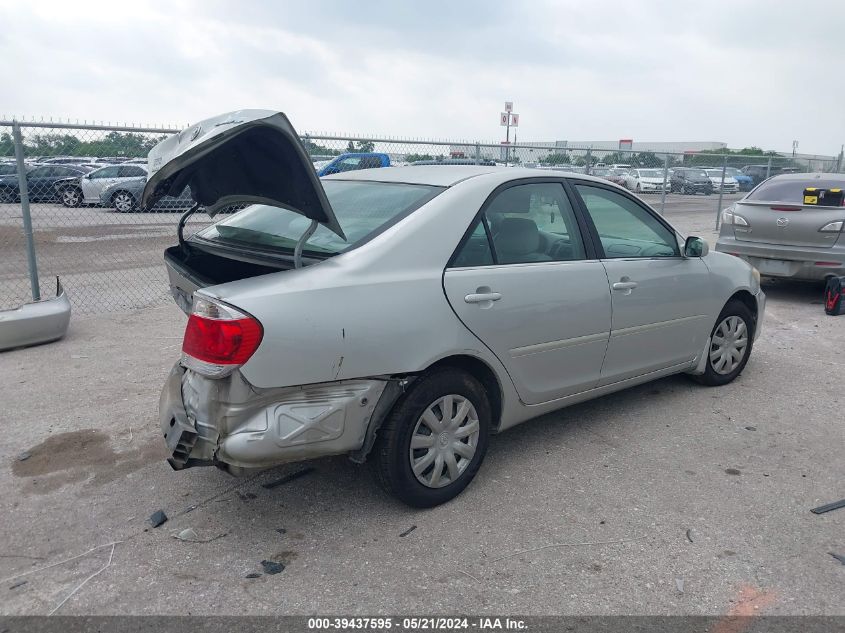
(726, 188)
(789, 262)
(231, 424)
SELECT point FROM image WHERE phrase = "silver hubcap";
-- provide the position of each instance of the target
(444, 441)
(70, 197)
(123, 202)
(729, 344)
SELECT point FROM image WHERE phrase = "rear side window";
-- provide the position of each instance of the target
(363, 209)
(527, 224)
(791, 190)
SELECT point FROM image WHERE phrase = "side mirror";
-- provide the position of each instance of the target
(695, 247)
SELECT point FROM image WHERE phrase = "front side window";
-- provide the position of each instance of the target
(625, 228)
(131, 171)
(362, 208)
(526, 223)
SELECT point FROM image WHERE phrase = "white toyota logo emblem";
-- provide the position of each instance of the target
(783, 221)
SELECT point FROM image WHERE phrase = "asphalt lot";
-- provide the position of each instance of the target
(669, 498)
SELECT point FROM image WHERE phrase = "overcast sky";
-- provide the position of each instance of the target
(743, 72)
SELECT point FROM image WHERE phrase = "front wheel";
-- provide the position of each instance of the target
(730, 345)
(70, 197)
(433, 442)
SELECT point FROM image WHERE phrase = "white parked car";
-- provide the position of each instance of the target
(404, 315)
(88, 188)
(644, 180)
(730, 185)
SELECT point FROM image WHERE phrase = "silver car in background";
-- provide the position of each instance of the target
(404, 315)
(774, 230)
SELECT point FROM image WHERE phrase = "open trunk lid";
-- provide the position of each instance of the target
(247, 156)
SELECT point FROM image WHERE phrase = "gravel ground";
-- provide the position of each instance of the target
(669, 498)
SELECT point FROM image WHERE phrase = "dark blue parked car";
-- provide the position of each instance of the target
(352, 162)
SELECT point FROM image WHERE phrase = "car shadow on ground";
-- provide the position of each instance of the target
(344, 490)
(794, 291)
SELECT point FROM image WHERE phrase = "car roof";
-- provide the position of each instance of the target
(449, 175)
(816, 175)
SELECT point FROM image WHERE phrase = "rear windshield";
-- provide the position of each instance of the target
(363, 209)
(791, 190)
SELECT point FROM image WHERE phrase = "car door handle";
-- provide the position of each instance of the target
(482, 297)
(624, 285)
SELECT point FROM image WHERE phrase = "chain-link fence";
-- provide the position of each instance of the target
(84, 184)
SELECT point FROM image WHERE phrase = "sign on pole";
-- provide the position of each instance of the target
(508, 106)
(514, 119)
(504, 118)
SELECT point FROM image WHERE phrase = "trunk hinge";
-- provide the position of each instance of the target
(181, 227)
(297, 252)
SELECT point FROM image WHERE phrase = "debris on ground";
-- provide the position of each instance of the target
(253, 575)
(689, 535)
(272, 567)
(733, 471)
(408, 531)
(750, 428)
(188, 534)
(24, 456)
(288, 478)
(247, 495)
(679, 585)
(23, 582)
(157, 518)
(828, 507)
(281, 530)
(838, 557)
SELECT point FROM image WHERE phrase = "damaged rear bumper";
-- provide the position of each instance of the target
(231, 424)
(37, 322)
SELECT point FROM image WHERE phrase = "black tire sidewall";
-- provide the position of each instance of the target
(733, 308)
(393, 467)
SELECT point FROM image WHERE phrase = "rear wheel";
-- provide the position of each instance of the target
(123, 201)
(730, 345)
(431, 445)
(70, 196)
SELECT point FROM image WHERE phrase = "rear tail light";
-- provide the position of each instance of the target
(218, 338)
(832, 227)
(729, 217)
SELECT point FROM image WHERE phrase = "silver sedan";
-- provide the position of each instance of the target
(789, 226)
(404, 315)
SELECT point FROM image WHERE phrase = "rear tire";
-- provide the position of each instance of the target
(123, 201)
(442, 472)
(726, 343)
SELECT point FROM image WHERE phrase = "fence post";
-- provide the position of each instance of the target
(665, 179)
(722, 189)
(477, 153)
(769, 168)
(589, 161)
(27, 218)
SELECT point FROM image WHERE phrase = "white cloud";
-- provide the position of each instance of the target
(747, 73)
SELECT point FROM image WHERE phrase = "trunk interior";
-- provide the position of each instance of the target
(190, 268)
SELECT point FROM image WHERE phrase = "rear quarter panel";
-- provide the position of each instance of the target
(378, 309)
